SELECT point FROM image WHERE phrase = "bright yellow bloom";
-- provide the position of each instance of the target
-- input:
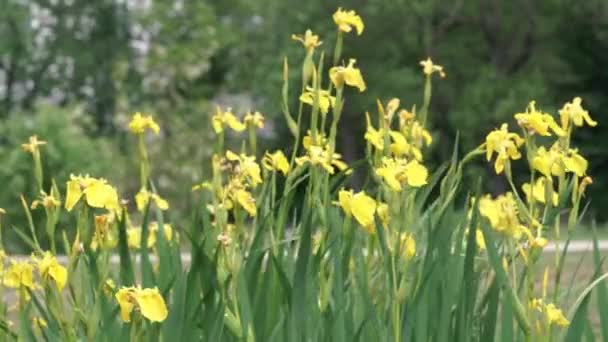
(538, 122)
(505, 144)
(139, 123)
(246, 200)
(538, 191)
(254, 119)
(33, 145)
(97, 192)
(350, 75)
(574, 112)
(19, 274)
(360, 206)
(247, 166)
(397, 171)
(502, 213)
(49, 268)
(47, 201)
(548, 162)
(149, 302)
(575, 163)
(555, 316)
(143, 197)
(309, 40)
(222, 119)
(555, 162)
(552, 314)
(375, 137)
(276, 161)
(428, 67)
(319, 155)
(346, 20)
(408, 245)
(325, 99)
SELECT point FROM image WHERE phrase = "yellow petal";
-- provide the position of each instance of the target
(416, 174)
(73, 194)
(123, 297)
(152, 305)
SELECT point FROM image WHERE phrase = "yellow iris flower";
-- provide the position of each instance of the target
(49, 268)
(375, 137)
(276, 161)
(347, 20)
(319, 155)
(19, 274)
(502, 213)
(143, 197)
(429, 68)
(309, 40)
(148, 301)
(139, 123)
(97, 192)
(505, 144)
(326, 101)
(246, 200)
(226, 118)
(538, 191)
(394, 172)
(360, 206)
(255, 119)
(350, 75)
(33, 144)
(573, 112)
(247, 166)
(555, 162)
(538, 122)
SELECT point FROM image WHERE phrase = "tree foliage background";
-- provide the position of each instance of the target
(85, 66)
